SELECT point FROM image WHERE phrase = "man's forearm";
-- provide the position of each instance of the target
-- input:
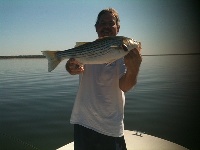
(128, 80)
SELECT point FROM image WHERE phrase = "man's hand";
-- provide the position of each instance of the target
(74, 67)
(133, 60)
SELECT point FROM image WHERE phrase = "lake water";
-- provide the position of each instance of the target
(35, 105)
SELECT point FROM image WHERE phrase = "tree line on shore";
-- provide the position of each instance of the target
(22, 56)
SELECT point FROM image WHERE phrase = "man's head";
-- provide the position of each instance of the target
(107, 23)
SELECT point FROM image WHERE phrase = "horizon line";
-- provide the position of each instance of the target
(42, 56)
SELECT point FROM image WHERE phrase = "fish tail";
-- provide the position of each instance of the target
(53, 60)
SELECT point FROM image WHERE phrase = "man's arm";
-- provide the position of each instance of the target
(132, 61)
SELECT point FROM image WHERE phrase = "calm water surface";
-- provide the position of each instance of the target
(35, 106)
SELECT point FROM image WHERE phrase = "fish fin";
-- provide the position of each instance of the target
(80, 43)
(100, 38)
(53, 60)
(110, 62)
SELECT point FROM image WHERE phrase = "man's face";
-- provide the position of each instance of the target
(107, 25)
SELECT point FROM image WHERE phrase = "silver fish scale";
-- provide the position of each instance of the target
(94, 49)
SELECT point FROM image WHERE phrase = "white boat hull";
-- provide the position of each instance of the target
(140, 141)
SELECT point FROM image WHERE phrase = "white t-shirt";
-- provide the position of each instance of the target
(99, 104)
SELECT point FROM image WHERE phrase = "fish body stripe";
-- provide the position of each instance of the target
(94, 49)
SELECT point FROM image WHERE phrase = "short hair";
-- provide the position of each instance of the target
(109, 10)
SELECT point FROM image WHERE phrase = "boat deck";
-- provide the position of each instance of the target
(140, 141)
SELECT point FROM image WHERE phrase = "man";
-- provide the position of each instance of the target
(99, 106)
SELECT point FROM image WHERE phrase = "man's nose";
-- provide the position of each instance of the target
(107, 24)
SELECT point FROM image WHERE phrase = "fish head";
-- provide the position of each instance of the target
(129, 44)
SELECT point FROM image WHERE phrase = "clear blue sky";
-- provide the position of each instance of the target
(163, 26)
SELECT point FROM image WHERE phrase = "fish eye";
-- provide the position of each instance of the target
(125, 48)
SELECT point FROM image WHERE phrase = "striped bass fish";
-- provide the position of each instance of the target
(101, 51)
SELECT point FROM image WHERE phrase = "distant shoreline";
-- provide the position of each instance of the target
(172, 54)
(22, 56)
(41, 56)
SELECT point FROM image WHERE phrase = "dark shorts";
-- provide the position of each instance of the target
(87, 139)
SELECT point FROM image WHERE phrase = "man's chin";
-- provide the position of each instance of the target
(106, 34)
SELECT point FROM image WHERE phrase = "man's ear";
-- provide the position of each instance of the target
(118, 27)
